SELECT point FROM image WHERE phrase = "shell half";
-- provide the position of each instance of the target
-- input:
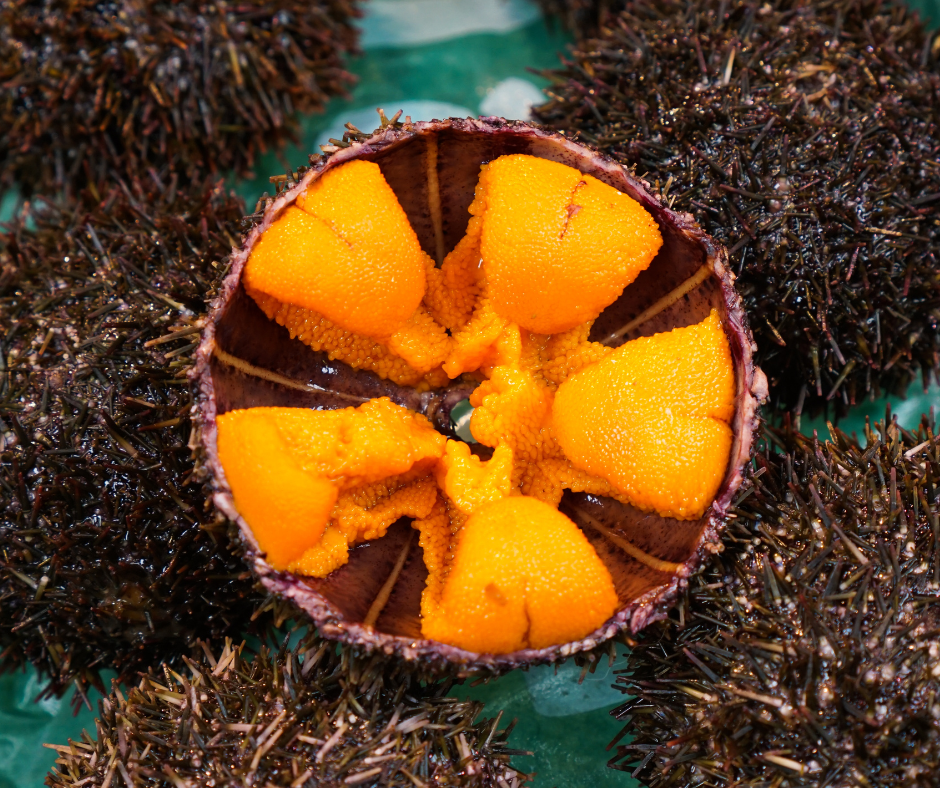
(245, 360)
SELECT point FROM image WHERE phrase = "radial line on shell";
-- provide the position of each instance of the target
(274, 377)
(661, 305)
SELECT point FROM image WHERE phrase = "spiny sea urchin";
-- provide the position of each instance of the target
(109, 556)
(807, 653)
(195, 87)
(294, 345)
(804, 136)
(309, 716)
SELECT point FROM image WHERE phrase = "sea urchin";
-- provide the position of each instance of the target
(308, 716)
(109, 557)
(806, 654)
(193, 87)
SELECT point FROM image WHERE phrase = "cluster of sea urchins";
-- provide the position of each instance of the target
(111, 559)
(94, 86)
(307, 716)
(805, 137)
(806, 654)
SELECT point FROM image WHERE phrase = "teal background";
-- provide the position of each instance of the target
(433, 58)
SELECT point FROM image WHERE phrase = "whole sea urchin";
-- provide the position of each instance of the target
(804, 136)
(807, 653)
(108, 556)
(92, 86)
(308, 716)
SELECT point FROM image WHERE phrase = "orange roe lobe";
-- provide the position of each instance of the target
(360, 446)
(522, 576)
(653, 418)
(470, 483)
(558, 246)
(346, 251)
(286, 507)
(359, 352)
(294, 471)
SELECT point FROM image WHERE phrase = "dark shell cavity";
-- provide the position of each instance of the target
(245, 360)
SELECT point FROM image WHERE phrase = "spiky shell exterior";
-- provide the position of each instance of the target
(308, 716)
(804, 136)
(110, 558)
(190, 86)
(806, 654)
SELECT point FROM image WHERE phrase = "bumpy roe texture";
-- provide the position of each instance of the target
(803, 136)
(510, 309)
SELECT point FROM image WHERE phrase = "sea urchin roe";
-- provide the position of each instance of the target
(470, 483)
(286, 468)
(345, 251)
(653, 418)
(522, 576)
(557, 245)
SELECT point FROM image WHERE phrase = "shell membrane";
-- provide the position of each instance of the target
(806, 653)
(810, 155)
(246, 360)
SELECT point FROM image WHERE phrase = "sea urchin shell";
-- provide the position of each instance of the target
(246, 360)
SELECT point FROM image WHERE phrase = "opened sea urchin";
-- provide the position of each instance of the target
(593, 332)
(308, 716)
(110, 558)
(806, 138)
(806, 654)
(193, 87)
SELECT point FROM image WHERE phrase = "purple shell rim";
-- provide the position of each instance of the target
(654, 605)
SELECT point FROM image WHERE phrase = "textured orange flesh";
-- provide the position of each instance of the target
(297, 473)
(557, 246)
(346, 251)
(653, 418)
(523, 576)
(546, 250)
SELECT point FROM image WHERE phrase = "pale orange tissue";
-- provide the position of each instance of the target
(346, 251)
(522, 576)
(653, 418)
(558, 246)
(286, 507)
